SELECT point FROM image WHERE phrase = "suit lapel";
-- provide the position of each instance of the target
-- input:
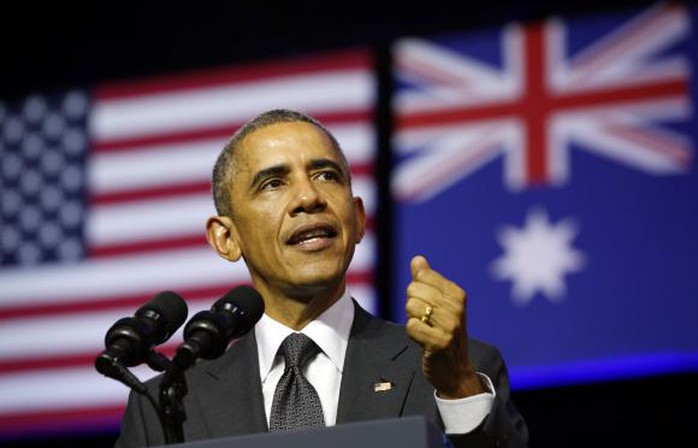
(378, 371)
(231, 394)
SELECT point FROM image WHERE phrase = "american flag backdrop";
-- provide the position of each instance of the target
(549, 168)
(105, 192)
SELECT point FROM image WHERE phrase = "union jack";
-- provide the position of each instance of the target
(456, 113)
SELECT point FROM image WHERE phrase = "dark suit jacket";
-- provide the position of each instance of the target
(225, 394)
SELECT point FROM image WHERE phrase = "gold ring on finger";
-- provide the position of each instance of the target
(427, 314)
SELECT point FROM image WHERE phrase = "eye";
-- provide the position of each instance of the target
(271, 184)
(328, 176)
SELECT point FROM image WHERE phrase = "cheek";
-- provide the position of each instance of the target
(347, 213)
(261, 226)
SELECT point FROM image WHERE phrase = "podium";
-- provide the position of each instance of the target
(405, 432)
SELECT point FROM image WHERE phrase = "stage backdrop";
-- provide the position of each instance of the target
(105, 193)
(549, 169)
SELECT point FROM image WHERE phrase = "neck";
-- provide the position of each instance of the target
(296, 310)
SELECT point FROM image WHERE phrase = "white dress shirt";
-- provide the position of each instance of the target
(330, 331)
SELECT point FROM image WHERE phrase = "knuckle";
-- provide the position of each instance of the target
(411, 304)
(412, 324)
(457, 294)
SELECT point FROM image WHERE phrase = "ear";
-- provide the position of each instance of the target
(360, 216)
(221, 236)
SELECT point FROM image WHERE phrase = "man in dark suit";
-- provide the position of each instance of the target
(284, 202)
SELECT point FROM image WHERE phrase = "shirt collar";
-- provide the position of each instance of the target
(330, 331)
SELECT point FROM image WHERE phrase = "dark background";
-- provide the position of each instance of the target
(58, 46)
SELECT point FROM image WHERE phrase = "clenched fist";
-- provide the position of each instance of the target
(436, 319)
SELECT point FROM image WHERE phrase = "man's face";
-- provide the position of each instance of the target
(294, 217)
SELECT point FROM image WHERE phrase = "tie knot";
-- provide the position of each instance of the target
(298, 349)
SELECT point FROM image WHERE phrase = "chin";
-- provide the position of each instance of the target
(318, 280)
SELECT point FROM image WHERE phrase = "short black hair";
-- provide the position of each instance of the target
(223, 170)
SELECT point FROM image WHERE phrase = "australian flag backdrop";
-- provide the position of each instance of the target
(550, 169)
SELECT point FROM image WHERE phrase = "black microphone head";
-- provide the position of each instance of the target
(244, 302)
(129, 341)
(170, 311)
(247, 298)
(208, 333)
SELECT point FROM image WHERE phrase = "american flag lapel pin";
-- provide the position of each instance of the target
(382, 386)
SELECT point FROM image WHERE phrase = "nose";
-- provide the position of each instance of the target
(308, 199)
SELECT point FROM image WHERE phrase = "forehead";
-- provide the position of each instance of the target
(283, 143)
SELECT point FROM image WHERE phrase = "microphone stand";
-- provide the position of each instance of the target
(173, 388)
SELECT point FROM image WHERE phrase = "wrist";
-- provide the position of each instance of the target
(471, 384)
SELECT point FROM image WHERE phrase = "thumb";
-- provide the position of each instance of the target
(418, 263)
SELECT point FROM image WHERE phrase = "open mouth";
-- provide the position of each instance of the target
(312, 232)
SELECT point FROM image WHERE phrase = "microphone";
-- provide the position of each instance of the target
(208, 333)
(206, 336)
(130, 340)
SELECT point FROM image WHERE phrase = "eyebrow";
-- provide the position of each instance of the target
(283, 170)
(272, 171)
(317, 164)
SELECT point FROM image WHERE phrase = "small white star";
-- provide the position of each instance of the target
(537, 257)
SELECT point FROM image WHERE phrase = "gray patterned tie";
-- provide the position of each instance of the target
(296, 403)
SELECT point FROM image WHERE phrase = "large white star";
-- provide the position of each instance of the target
(537, 257)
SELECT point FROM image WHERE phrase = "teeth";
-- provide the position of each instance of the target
(307, 240)
(311, 235)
